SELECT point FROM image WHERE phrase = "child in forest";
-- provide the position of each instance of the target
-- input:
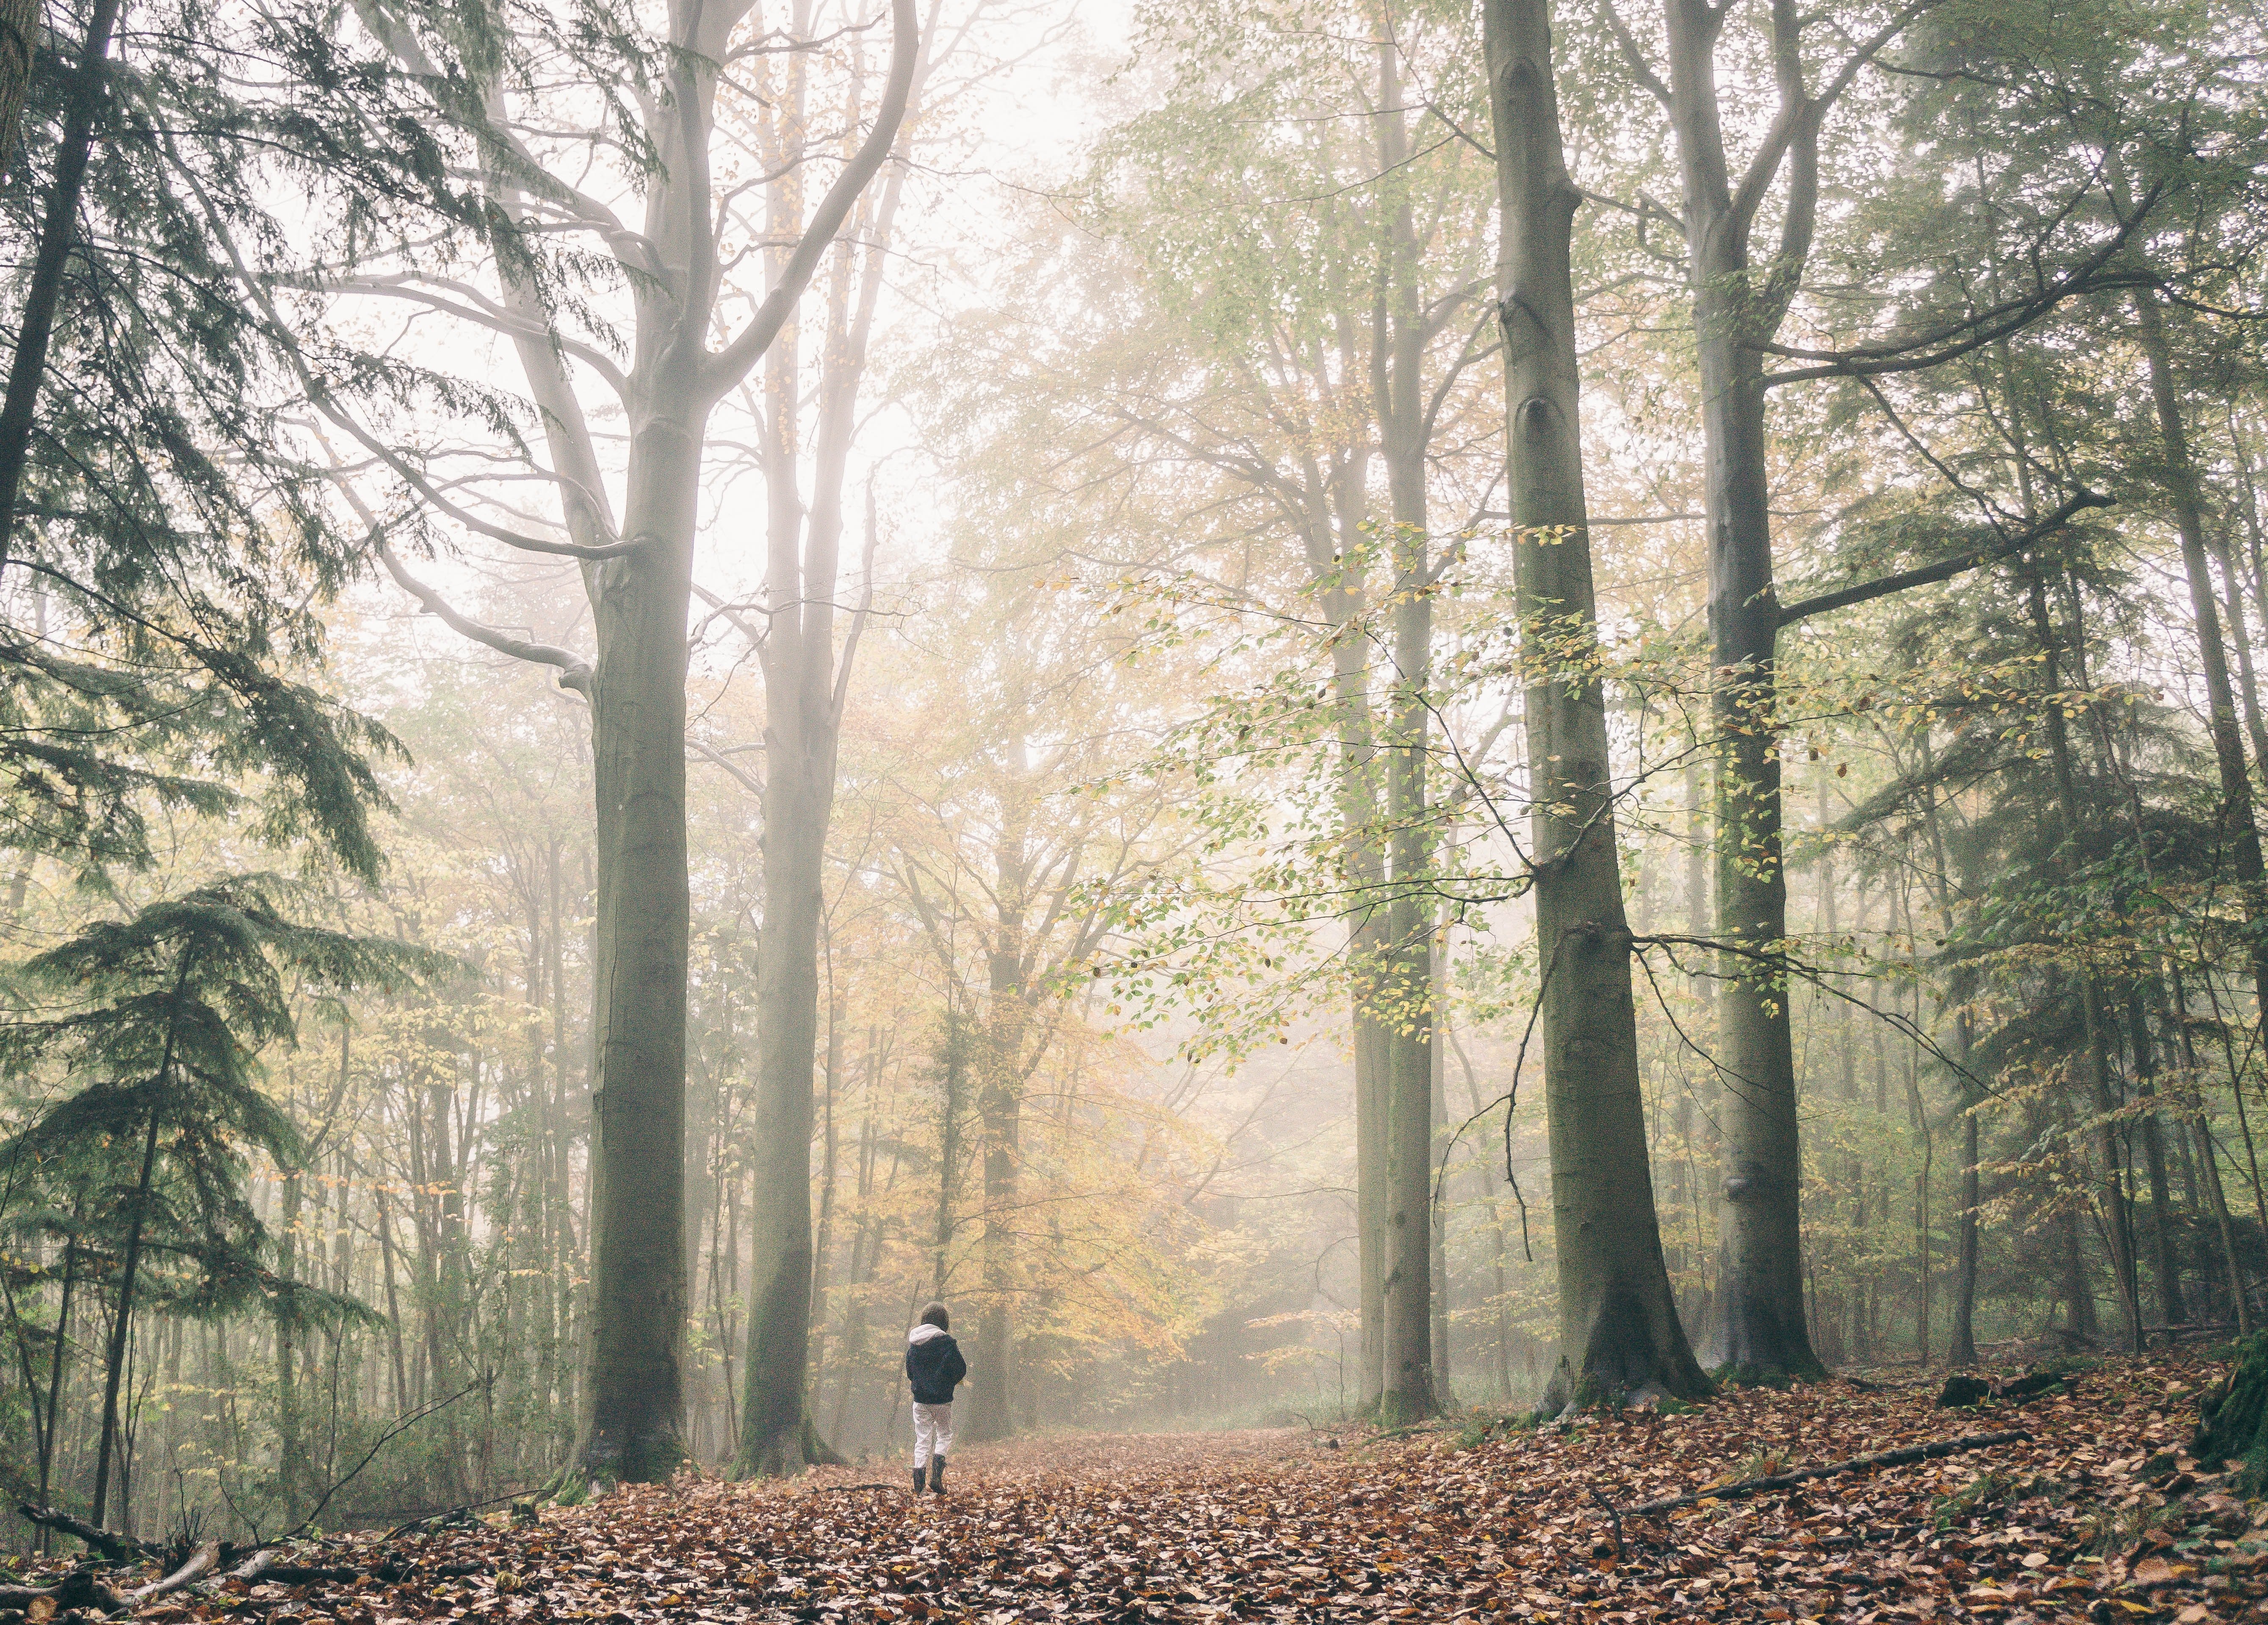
(934, 1366)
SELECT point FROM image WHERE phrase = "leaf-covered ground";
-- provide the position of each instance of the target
(2098, 1517)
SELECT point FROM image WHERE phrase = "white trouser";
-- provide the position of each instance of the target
(932, 1434)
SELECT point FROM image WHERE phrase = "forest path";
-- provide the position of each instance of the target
(2090, 1518)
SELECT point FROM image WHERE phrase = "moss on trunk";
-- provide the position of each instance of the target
(2230, 1417)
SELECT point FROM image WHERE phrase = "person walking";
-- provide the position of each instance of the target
(934, 1367)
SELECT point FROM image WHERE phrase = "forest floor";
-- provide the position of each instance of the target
(2096, 1516)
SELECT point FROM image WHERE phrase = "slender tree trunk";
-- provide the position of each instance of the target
(121, 1323)
(1000, 1102)
(2164, 1256)
(291, 1448)
(2116, 1220)
(1961, 1349)
(43, 294)
(59, 1362)
(1437, 1054)
(1619, 1330)
(1398, 367)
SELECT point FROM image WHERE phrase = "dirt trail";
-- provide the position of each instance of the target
(2091, 1518)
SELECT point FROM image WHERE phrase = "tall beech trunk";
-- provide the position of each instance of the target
(1759, 1317)
(635, 1360)
(638, 576)
(1335, 545)
(1397, 364)
(2240, 835)
(1438, 1004)
(999, 1103)
(807, 681)
(1619, 1330)
(1962, 1342)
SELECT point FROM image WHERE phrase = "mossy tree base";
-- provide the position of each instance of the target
(2231, 1416)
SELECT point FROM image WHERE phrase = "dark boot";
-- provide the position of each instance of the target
(921, 1480)
(936, 1475)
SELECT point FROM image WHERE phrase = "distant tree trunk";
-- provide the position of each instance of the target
(999, 1110)
(2164, 1256)
(2173, 1005)
(1438, 1053)
(2117, 1221)
(1619, 1330)
(1700, 921)
(806, 682)
(1335, 564)
(1961, 1349)
(1397, 366)
(58, 1361)
(291, 1450)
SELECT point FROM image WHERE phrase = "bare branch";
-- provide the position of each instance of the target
(727, 367)
(1944, 569)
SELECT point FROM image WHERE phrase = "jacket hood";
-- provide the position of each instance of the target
(924, 1332)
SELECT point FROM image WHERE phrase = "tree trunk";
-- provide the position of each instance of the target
(291, 1448)
(122, 1320)
(2164, 1256)
(2117, 1218)
(1619, 1330)
(2238, 833)
(796, 798)
(19, 48)
(1398, 383)
(634, 1414)
(1759, 1319)
(999, 1106)
(35, 326)
(1438, 1055)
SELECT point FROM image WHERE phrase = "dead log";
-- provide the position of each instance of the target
(117, 1547)
(201, 1561)
(1907, 1457)
(81, 1588)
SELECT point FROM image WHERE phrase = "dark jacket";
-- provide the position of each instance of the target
(933, 1365)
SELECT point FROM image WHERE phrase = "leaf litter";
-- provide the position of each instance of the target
(2097, 1516)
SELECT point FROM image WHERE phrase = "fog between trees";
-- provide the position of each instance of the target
(1327, 709)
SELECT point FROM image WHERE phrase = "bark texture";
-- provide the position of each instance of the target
(1759, 1319)
(1619, 1328)
(1397, 360)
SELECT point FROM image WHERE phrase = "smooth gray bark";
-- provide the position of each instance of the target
(1758, 1317)
(1619, 1330)
(1397, 363)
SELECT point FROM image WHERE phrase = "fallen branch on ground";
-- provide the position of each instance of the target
(1856, 1463)
(117, 1547)
(79, 1588)
(205, 1558)
(1403, 1433)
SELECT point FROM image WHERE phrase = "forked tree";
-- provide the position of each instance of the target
(657, 96)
